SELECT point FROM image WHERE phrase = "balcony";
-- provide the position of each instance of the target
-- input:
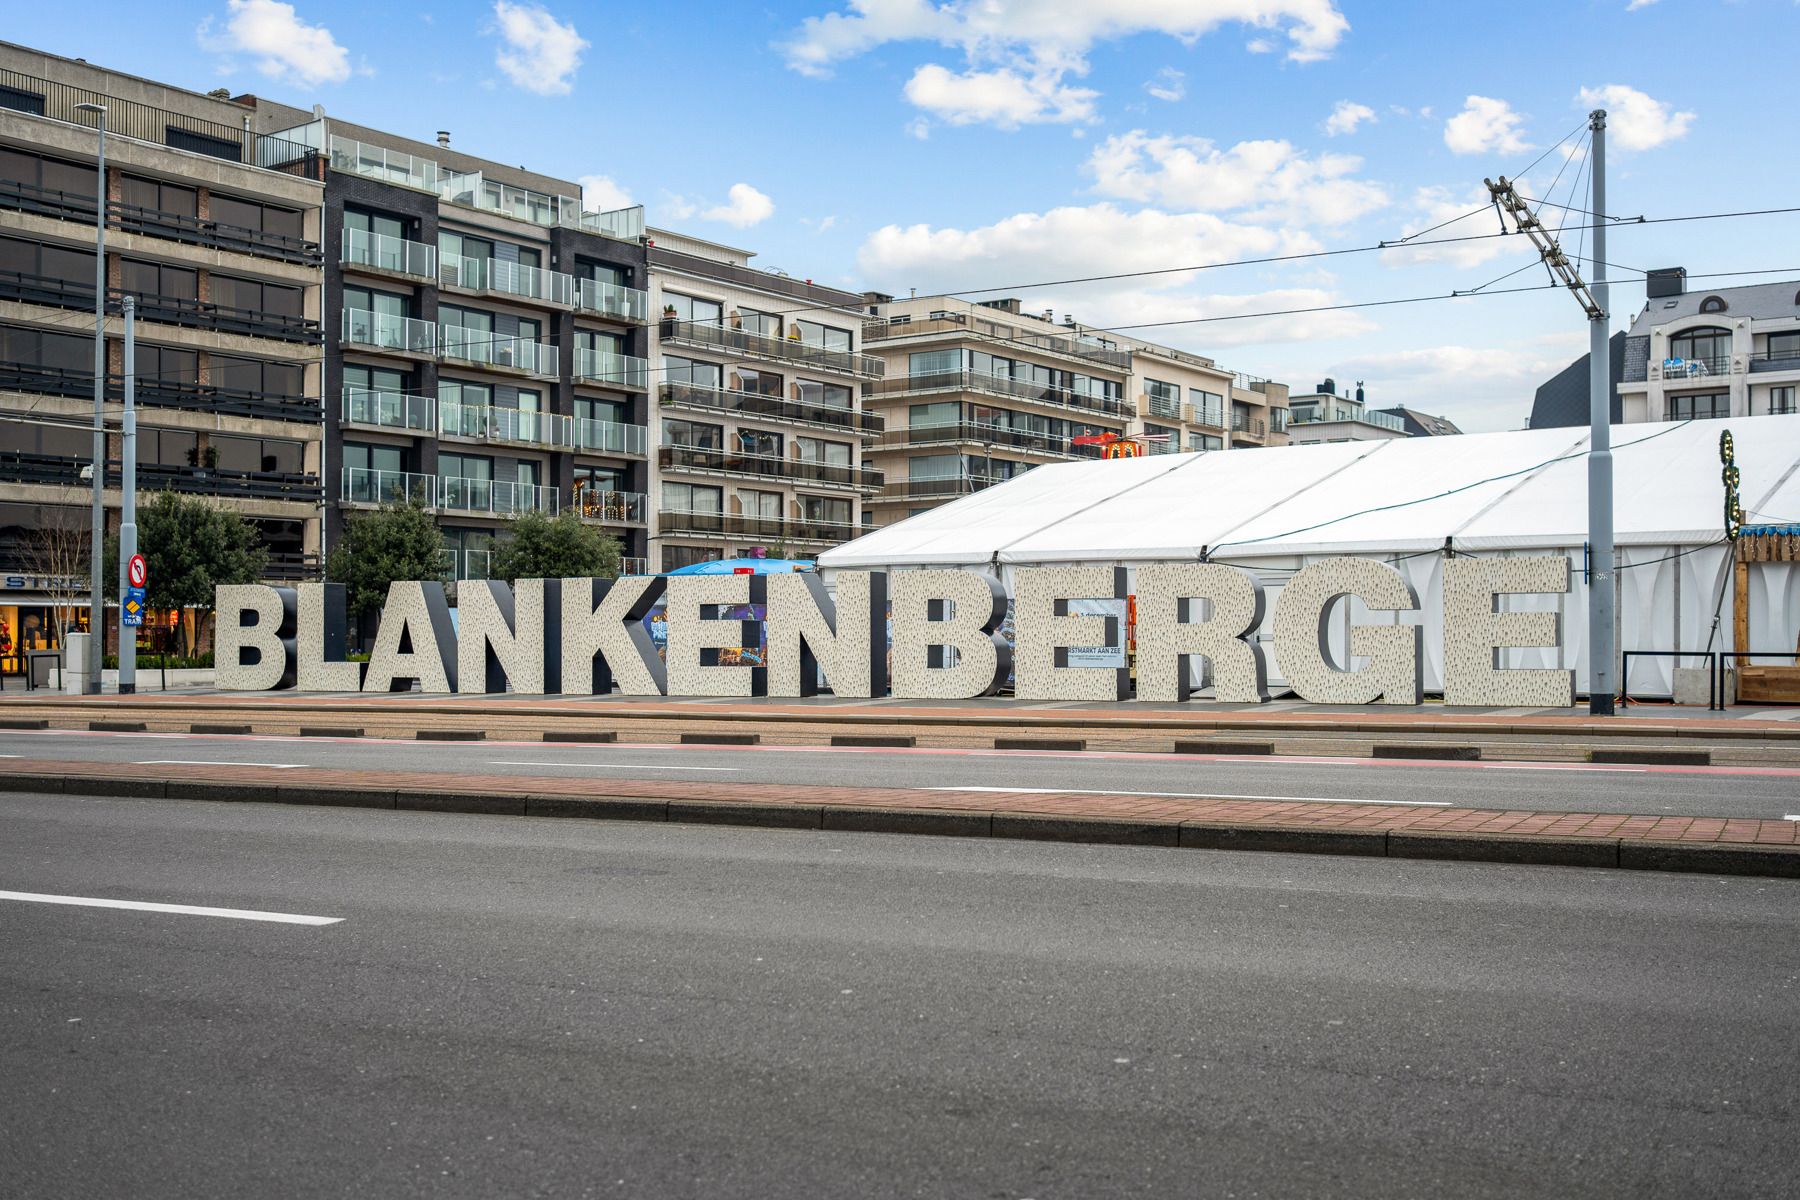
(388, 410)
(947, 487)
(224, 318)
(159, 477)
(1254, 427)
(760, 406)
(1081, 347)
(510, 278)
(52, 292)
(939, 382)
(634, 566)
(496, 497)
(382, 252)
(384, 331)
(745, 527)
(609, 437)
(1774, 360)
(388, 166)
(484, 423)
(608, 507)
(603, 367)
(487, 349)
(982, 434)
(362, 485)
(216, 235)
(612, 300)
(730, 462)
(1699, 366)
(46, 202)
(1317, 416)
(707, 336)
(158, 393)
(1210, 415)
(293, 568)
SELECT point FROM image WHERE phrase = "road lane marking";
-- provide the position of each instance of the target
(503, 762)
(1188, 795)
(1792, 817)
(212, 762)
(188, 910)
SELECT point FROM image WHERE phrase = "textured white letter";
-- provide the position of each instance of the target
(1168, 636)
(603, 635)
(1475, 632)
(937, 611)
(253, 637)
(849, 637)
(415, 641)
(1301, 646)
(321, 641)
(695, 639)
(1044, 631)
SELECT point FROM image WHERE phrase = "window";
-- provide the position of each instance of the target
(692, 498)
(933, 466)
(468, 333)
(676, 557)
(145, 280)
(1204, 441)
(1781, 399)
(612, 411)
(20, 100)
(692, 372)
(199, 143)
(823, 395)
(1209, 407)
(159, 196)
(757, 383)
(692, 308)
(829, 336)
(49, 262)
(40, 348)
(256, 297)
(1278, 419)
(469, 550)
(602, 273)
(752, 321)
(386, 304)
(1699, 406)
(825, 510)
(1159, 440)
(465, 466)
(929, 416)
(694, 434)
(1784, 345)
(255, 375)
(759, 442)
(934, 362)
(818, 450)
(1714, 304)
(462, 407)
(358, 378)
(1165, 399)
(381, 224)
(1706, 350)
(170, 369)
(760, 506)
(268, 455)
(594, 341)
(47, 174)
(359, 457)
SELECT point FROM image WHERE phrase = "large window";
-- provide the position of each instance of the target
(603, 343)
(1781, 399)
(47, 174)
(759, 442)
(692, 372)
(150, 280)
(1204, 441)
(1164, 398)
(823, 395)
(24, 263)
(676, 557)
(692, 308)
(251, 214)
(24, 347)
(694, 434)
(757, 383)
(161, 197)
(934, 362)
(255, 375)
(1707, 349)
(825, 510)
(255, 296)
(760, 506)
(1159, 440)
(1699, 406)
(829, 336)
(818, 450)
(751, 320)
(1785, 345)
(259, 454)
(368, 221)
(386, 304)
(692, 497)
(1209, 407)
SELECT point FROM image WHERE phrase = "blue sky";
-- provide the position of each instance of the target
(894, 144)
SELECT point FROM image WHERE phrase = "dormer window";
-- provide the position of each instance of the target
(1713, 304)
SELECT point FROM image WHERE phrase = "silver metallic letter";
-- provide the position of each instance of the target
(500, 636)
(1475, 632)
(603, 636)
(1168, 636)
(1302, 648)
(253, 637)
(321, 641)
(805, 629)
(695, 639)
(937, 611)
(1044, 631)
(415, 641)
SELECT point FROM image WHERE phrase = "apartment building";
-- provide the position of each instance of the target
(1325, 416)
(216, 231)
(977, 392)
(486, 351)
(760, 428)
(1725, 352)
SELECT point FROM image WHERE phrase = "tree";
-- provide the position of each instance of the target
(56, 551)
(401, 541)
(190, 548)
(561, 547)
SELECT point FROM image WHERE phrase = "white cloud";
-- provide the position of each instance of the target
(826, 223)
(537, 52)
(1484, 125)
(1267, 180)
(1634, 120)
(286, 47)
(1003, 97)
(744, 207)
(1481, 388)
(1038, 43)
(1637, 4)
(1347, 116)
(1435, 206)
(919, 127)
(1167, 84)
(599, 193)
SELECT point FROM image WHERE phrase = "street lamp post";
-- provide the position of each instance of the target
(97, 597)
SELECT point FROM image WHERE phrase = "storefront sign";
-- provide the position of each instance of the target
(937, 633)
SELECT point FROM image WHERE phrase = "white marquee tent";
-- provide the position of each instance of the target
(1409, 501)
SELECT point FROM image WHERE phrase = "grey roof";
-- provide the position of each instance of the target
(1562, 400)
(1758, 301)
(1420, 424)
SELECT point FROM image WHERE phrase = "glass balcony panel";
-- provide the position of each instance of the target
(618, 370)
(608, 437)
(386, 253)
(612, 300)
(392, 410)
(362, 485)
(611, 506)
(375, 162)
(387, 332)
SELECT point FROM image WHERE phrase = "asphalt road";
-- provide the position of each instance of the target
(1718, 791)
(518, 1008)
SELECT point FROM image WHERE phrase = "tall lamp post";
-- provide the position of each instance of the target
(97, 599)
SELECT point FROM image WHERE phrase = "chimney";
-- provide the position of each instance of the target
(1665, 283)
(444, 138)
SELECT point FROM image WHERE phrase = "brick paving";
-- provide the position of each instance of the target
(511, 793)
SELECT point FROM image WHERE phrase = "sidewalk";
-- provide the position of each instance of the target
(1712, 845)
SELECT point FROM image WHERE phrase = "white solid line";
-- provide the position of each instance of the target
(1792, 817)
(1189, 795)
(190, 910)
(211, 762)
(503, 762)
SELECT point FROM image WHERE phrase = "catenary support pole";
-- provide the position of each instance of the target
(97, 595)
(128, 502)
(1601, 579)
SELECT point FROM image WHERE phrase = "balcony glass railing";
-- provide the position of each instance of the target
(390, 410)
(497, 350)
(614, 370)
(634, 566)
(983, 434)
(363, 485)
(612, 300)
(615, 508)
(608, 437)
(491, 424)
(515, 279)
(386, 253)
(995, 385)
(389, 166)
(755, 345)
(495, 496)
(765, 407)
(731, 462)
(385, 331)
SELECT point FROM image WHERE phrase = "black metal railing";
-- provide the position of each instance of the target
(756, 345)
(45, 202)
(757, 404)
(226, 318)
(45, 381)
(680, 522)
(159, 393)
(18, 467)
(134, 218)
(31, 288)
(1714, 684)
(767, 466)
(289, 566)
(977, 433)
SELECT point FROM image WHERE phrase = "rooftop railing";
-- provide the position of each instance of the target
(1073, 345)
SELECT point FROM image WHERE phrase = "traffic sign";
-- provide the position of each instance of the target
(133, 608)
(137, 573)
